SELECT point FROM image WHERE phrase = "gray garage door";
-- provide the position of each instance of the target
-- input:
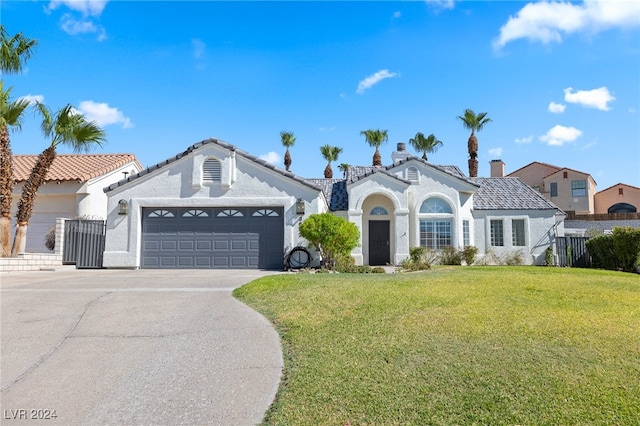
(248, 238)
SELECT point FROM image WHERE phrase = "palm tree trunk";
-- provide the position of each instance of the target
(377, 158)
(328, 172)
(424, 156)
(25, 205)
(287, 159)
(473, 167)
(6, 190)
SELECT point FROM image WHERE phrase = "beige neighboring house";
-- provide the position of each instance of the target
(619, 198)
(74, 187)
(570, 190)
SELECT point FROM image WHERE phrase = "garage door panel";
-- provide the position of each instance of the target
(209, 241)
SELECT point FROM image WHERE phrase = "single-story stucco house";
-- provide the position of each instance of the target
(73, 188)
(215, 206)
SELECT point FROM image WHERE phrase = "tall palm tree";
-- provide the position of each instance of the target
(14, 52)
(375, 138)
(287, 141)
(330, 153)
(429, 144)
(11, 114)
(67, 127)
(475, 123)
(344, 168)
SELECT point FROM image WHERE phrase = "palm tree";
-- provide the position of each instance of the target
(429, 144)
(11, 113)
(330, 153)
(375, 138)
(475, 123)
(14, 52)
(66, 127)
(344, 168)
(287, 141)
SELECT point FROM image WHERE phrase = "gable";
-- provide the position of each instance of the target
(449, 176)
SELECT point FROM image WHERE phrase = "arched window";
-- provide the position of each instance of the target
(622, 208)
(230, 213)
(379, 211)
(195, 213)
(265, 212)
(161, 213)
(435, 205)
(211, 171)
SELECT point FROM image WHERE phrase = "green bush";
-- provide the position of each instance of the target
(419, 259)
(626, 243)
(548, 256)
(602, 251)
(378, 270)
(331, 235)
(469, 254)
(450, 256)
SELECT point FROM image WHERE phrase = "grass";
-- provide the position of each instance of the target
(455, 345)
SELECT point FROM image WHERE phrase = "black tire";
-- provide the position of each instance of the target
(298, 258)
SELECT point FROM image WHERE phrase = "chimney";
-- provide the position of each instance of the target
(400, 153)
(497, 168)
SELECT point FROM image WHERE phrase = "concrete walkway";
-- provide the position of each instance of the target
(134, 347)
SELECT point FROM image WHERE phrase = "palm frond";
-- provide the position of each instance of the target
(14, 51)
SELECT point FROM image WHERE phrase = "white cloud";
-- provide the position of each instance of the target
(632, 110)
(374, 79)
(495, 152)
(32, 99)
(559, 135)
(86, 7)
(556, 108)
(271, 157)
(72, 26)
(525, 140)
(103, 114)
(549, 21)
(596, 98)
(199, 48)
(441, 4)
(396, 14)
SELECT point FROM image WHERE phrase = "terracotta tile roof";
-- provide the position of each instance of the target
(73, 167)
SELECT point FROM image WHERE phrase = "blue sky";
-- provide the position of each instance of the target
(561, 81)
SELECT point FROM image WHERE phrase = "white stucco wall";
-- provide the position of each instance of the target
(540, 231)
(179, 184)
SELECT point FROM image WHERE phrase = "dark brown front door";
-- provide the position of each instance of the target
(379, 245)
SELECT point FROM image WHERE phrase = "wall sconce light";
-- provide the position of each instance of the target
(300, 206)
(123, 207)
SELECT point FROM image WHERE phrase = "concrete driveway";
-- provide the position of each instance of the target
(134, 347)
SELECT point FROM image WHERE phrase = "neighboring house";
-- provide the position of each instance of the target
(569, 189)
(215, 206)
(619, 198)
(74, 187)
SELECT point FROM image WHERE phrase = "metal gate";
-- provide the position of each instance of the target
(572, 251)
(84, 243)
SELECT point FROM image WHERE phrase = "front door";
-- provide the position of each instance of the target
(379, 245)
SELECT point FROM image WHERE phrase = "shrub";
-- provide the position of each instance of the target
(602, 251)
(548, 256)
(515, 258)
(331, 235)
(469, 254)
(450, 256)
(378, 270)
(50, 238)
(626, 243)
(419, 259)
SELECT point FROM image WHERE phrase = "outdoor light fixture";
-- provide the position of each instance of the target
(123, 207)
(300, 206)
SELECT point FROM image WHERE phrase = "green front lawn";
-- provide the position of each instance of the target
(455, 345)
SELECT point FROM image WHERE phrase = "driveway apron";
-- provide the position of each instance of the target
(134, 347)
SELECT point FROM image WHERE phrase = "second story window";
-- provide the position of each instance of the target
(553, 188)
(578, 188)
